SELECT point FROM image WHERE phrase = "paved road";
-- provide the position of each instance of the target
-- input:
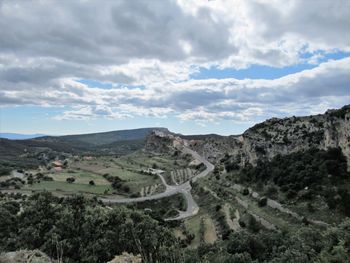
(185, 189)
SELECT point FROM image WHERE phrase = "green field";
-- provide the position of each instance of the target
(81, 177)
(67, 187)
(128, 172)
(127, 168)
(141, 160)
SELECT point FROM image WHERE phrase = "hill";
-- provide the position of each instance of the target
(102, 138)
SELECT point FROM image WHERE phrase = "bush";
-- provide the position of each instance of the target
(231, 166)
(291, 194)
(126, 189)
(262, 201)
(245, 191)
(70, 180)
(253, 225)
(271, 191)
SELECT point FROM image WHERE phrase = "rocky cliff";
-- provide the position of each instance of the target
(280, 136)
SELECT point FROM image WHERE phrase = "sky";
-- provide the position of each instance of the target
(193, 66)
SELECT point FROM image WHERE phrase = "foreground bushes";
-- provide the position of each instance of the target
(302, 246)
(81, 230)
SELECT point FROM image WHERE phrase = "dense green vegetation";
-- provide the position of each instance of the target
(77, 229)
(306, 174)
(81, 230)
(303, 246)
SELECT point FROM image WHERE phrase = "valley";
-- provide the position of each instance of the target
(208, 192)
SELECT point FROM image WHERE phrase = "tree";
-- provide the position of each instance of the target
(92, 182)
(8, 225)
(262, 201)
(70, 180)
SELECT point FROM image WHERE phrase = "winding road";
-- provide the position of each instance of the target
(170, 190)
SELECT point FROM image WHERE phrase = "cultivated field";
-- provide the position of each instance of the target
(101, 170)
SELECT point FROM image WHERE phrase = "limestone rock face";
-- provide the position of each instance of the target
(282, 136)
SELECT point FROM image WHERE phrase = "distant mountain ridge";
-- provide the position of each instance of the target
(20, 136)
(102, 138)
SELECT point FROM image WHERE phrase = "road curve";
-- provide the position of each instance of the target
(184, 189)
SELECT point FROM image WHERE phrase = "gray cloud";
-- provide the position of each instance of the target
(114, 32)
(46, 46)
(323, 23)
(307, 91)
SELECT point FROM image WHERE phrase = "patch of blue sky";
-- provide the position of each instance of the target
(325, 56)
(107, 85)
(30, 119)
(96, 84)
(268, 72)
(42, 120)
(253, 72)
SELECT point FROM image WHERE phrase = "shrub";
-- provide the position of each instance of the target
(70, 180)
(245, 191)
(262, 201)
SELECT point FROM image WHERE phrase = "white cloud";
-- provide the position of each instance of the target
(156, 45)
(91, 112)
(210, 100)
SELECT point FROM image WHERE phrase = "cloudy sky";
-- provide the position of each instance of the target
(194, 66)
